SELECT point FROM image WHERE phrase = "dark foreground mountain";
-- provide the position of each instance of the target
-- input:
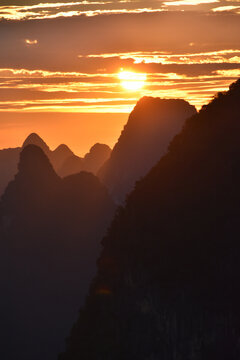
(144, 140)
(50, 231)
(8, 166)
(64, 161)
(167, 285)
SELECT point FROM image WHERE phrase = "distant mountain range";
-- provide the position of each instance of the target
(50, 231)
(167, 285)
(144, 140)
(92, 161)
(64, 161)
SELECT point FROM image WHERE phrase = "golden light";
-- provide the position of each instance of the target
(132, 81)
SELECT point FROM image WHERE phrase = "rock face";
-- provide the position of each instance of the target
(50, 231)
(144, 140)
(167, 285)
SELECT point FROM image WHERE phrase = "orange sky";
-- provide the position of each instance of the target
(60, 60)
(79, 131)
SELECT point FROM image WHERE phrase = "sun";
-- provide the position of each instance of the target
(132, 81)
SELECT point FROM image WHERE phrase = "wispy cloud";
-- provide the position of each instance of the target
(93, 8)
(39, 90)
(231, 73)
(55, 10)
(156, 57)
(226, 8)
(73, 64)
(189, 2)
(22, 73)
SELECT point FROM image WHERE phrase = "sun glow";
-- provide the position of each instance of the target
(132, 81)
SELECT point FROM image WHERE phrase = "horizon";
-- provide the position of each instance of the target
(101, 57)
(84, 132)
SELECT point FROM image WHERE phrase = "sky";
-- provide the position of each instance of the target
(60, 62)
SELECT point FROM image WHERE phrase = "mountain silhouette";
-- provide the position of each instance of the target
(167, 285)
(50, 231)
(35, 139)
(9, 159)
(92, 161)
(145, 138)
(72, 165)
(98, 154)
(64, 161)
(59, 156)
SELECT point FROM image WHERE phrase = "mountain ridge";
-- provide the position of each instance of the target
(144, 139)
(50, 231)
(64, 161)
(167, 282)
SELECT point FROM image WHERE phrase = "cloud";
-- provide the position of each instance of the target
(189, 2)
(72, 63)
(230, 73)
(62, 40)
(155, 57)
(30, 42)
(226, 8)
(51, 10)
(87, 8)
(50, 91)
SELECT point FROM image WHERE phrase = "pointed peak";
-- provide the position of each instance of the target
(35, 139)
(63, 148)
